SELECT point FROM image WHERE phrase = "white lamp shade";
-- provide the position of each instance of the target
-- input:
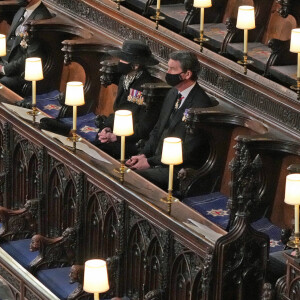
(292, 189)
(95, 276)
(33, 69)
(74, 93)
(246, 17)
(172, 151)
(295, 41)
(202, 3)
(2, 45)
(123, 125)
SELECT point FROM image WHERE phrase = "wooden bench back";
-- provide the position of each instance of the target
(221, 125)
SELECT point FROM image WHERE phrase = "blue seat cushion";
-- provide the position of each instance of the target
(85, 126)
(19, 251)
(57, 281)
(274, 233)
(212, 206)
(48, 102)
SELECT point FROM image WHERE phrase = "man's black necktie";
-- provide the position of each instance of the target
(21, 20)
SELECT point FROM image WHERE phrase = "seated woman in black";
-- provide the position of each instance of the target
(134, 57)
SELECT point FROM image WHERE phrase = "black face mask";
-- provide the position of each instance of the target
(173, 79)
(124, 68)
(23, 3)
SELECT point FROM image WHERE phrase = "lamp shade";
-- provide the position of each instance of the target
(2, 45)
(172, 151)
(123, 123)
(33, 69)
(246, 17)
(292, 189)
(74, 93)
(202, 3)
(295, 41)
(95, 276)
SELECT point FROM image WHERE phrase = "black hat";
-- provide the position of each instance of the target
(135, 51)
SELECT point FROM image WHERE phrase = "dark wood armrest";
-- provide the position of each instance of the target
(53, 252)
(76, 275)
(154, 295)
(187, 177)
(19, 224)
(109, 72)
(294, 168)
(280, 53)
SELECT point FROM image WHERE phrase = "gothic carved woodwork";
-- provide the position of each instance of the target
(60, 198)
(19, 224)
(24, 172)
(144, 258)
(288, 286)
(102, 226)
(245, 183)
(109, 72)
(54, 252)
(186, 275)
(245, 260)
(289, 7)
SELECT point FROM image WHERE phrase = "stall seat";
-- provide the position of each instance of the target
(214, 207)
(57, 280)
(19, 250)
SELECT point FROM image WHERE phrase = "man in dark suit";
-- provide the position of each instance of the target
(19, 47)
(183, 68)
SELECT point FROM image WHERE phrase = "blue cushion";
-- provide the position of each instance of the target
(48, 102)
(274, 233)
(85, 126)
(57, 281)
(19, 250)
(212, 206)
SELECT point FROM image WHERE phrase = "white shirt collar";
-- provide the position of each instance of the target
(31, 9)
(185, 93)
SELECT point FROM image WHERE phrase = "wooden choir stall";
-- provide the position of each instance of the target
(61, 207)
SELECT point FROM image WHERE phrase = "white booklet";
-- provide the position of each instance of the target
(23, 112)
(79, 145)
(203, 230)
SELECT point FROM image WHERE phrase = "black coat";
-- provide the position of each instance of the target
(191, 145)
(14, 61)
(144, 118)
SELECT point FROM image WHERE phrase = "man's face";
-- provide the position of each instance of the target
(174, 67)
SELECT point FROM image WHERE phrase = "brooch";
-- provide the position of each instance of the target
(24, 36)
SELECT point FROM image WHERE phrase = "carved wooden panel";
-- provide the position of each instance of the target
(24, 172)
(60, 199)
(144, 257)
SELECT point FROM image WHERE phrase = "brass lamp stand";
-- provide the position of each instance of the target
(123, 126)
(245, 21)
(202, 4)
(295, 47)
(95, 277)
(74, 97)
(118, 3)
(292, 197)
(171, 155)
(157, 16)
